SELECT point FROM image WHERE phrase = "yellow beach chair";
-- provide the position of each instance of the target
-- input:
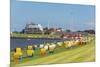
(42, 51)
(30, 51)
(66, 44)
(73, 43)
(18, 54)
(30, 47)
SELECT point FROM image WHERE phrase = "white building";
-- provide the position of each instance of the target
(33, 28)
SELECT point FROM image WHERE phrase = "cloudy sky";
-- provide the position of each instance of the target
(67, 16)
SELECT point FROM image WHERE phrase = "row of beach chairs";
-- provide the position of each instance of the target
(50, 47)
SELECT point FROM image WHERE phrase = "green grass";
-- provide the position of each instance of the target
(85, 53)
(33, 35)
(25, 35)
(36, 55)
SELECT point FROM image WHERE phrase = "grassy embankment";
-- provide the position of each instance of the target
(19, 35)
(85, 53)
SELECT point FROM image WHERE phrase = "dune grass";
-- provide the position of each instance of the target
(42, 35)
(85, 53)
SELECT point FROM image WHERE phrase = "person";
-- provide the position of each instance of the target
(30, 52)
(18, 54)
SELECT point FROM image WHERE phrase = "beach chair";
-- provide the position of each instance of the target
(77, 42)
(41, 46)
(51, 48)
(46, 47)
(70, 44)
(42, 51)
(18, 54)
(73, 43)
(66, 44)
(59, 44)
(30, 52)
(35, 47)
(30, 47)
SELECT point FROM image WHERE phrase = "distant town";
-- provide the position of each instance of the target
(32, 30)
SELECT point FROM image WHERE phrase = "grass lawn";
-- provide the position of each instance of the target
(85, 53)
(33, 35)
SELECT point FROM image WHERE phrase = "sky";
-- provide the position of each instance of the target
(66, 16)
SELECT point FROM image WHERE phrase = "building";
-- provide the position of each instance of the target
(33, 28)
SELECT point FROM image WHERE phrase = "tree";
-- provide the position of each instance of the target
(68, 30)
(90, 31)
(22, 31)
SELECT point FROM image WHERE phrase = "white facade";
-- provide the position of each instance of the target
(33, 28)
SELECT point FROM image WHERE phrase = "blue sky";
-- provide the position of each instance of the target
(67, 16)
